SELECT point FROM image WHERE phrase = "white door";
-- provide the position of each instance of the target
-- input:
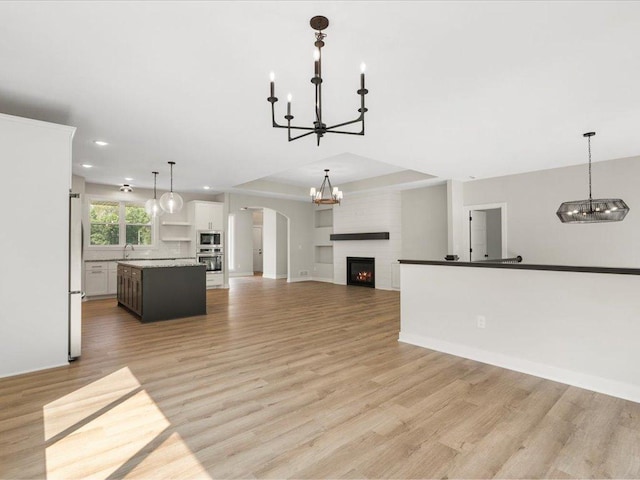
(257, 249)
(478, 235)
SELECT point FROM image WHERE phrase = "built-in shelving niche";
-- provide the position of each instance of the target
(323, 247)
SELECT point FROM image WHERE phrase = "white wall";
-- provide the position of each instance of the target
(243, 244)
(577, 328)
(379, 212)
(424, 223)
(300, 215)
(269, 243)
(281, 246)
(455, 218)
(535, 232)
(34, 300)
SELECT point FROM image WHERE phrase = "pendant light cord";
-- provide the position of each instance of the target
(589, 140)
(155, 176)
(589, 171)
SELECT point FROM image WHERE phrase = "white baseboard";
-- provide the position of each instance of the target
(391, 289)
(322, 279)
(39, 369)
(274, 277)
(300, 279)
(241, 274)
(598, 384)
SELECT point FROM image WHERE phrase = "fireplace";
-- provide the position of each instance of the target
(361, 271)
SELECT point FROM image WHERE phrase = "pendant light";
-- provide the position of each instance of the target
(592, 210)
(326, 194)
(171, 202)
(152, 206)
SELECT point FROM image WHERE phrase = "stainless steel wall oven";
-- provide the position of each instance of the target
(213, 260)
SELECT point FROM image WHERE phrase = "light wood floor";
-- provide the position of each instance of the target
(303, 380)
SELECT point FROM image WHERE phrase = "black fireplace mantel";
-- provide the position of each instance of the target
(360, 236)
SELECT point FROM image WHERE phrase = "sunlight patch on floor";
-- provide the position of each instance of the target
(67, 411)
(100, 428)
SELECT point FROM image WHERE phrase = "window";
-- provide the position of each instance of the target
(104, 218)
(138, 225)
(118, 223)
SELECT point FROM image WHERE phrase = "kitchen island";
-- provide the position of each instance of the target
(162, 289)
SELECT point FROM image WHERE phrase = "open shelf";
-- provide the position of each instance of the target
(177, 224)
(175, 239)
(324, 218)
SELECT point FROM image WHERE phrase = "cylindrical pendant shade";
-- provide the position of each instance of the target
(171, 202)
(153, 208)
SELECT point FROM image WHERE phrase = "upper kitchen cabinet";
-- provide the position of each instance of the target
(206, 215)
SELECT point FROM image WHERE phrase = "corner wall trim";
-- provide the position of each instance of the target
(594, 383)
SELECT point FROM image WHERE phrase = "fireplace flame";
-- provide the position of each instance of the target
(363, 276)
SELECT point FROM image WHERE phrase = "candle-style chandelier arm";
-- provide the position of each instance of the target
(357, 120)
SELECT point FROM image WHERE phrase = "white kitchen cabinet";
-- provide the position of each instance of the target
(100, 278)
(96, 278)
(206, 215)
(215, 280)
(112, 278)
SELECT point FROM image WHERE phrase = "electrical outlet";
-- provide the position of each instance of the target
(304, 273)
(482, 321)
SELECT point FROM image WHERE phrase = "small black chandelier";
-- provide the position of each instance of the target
(318, 23)
(592, 210)
(326, 194)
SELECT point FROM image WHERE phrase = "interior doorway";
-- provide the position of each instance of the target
(485, 232)
(257, 249)
(258, 216)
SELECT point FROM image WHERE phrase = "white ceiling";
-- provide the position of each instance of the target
(457, 89)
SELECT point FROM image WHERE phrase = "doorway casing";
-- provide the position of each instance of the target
(466, 212)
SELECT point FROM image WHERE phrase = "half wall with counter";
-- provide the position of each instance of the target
(575, 325)
(162, 289)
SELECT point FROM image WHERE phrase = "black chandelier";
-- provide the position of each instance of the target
(592, 210)
(318, 23)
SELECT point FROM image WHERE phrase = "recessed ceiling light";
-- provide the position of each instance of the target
(102, 143)
(206, 187)
(86, 165)
(128, 179)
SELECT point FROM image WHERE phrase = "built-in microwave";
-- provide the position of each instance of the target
(209, 238)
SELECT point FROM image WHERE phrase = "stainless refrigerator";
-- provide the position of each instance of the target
(75, 276)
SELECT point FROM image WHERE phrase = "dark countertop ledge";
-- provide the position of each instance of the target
(525, 266)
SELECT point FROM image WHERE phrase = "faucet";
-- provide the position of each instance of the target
(124, 250)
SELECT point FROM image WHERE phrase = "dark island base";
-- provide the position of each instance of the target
(172, 292)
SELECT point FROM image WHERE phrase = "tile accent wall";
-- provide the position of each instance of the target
(380, 212)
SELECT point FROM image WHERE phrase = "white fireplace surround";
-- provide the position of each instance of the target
(380, 212)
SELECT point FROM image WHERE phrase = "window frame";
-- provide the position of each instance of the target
(122, 225)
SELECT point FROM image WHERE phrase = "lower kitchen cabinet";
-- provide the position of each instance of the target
(95, 281)
(214, 280)
(100, 278)
(129, 291)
